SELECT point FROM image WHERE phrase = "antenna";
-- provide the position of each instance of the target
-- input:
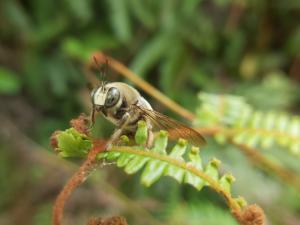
(103, 69)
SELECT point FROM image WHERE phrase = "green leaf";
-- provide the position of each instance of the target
(212, 169)
(175, 172)
(80, 9)
(171, 68)
(151, 53)
(9, 82)
(112, 156)
(196, 161)
(177, 152)
(226, 182)
(75, 48)
(241, 201)
(120, 19)
(179, 149)
(142, 133)
(71, 143)
(161, 142)
(153, 171)
(143, 13)
(245, 125)
(135, 164)
(16, 15)
(124, 159)
(84, 47)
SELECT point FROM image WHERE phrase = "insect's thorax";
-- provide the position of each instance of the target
(129, 97)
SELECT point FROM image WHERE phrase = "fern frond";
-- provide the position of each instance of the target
(245, 125)
(180, 162)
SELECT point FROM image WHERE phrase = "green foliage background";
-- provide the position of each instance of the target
(244, 47)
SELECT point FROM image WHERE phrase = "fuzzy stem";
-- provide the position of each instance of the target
(77, 179)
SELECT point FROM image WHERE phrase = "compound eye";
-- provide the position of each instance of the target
(112, 97)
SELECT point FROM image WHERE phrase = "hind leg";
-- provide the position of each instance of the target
(150, 137)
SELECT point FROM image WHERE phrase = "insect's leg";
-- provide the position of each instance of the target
(150, 137)
(92, 118)
(118, 132)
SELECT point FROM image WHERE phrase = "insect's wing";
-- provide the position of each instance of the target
(175, 129)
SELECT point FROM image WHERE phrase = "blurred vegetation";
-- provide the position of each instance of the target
(248, 48)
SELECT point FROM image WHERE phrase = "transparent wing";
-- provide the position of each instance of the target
(175, 129)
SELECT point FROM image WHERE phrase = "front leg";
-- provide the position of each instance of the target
(92, 118)
(118, 132)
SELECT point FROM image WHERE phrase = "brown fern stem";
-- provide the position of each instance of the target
(77, 179)
(231, 131)
(256, 157)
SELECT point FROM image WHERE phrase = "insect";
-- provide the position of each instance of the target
(124, 106)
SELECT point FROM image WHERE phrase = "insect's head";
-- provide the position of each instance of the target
(105, 96)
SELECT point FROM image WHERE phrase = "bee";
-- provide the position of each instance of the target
(124, 106)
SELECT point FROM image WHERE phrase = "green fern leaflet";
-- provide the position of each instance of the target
(181, 162)
(238, 120)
